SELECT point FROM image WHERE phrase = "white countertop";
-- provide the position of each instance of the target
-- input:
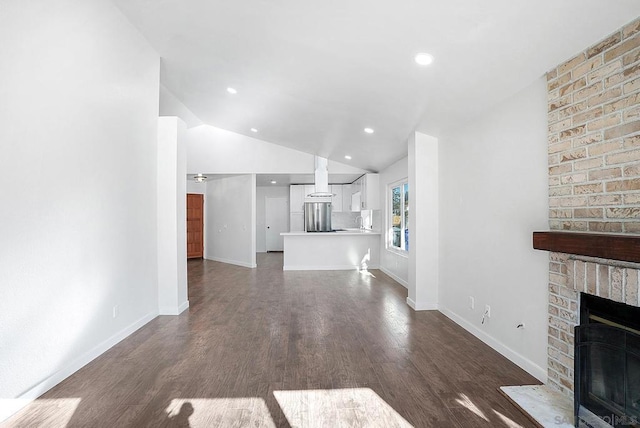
(348, 232)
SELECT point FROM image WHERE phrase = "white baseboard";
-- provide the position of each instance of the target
(522, 362)
(233, 262)
(337, 267)
(422, 306)
(171, 310)
(183, 307)
(9, 407)
(396, 278)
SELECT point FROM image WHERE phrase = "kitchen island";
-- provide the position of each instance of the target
(341, 250)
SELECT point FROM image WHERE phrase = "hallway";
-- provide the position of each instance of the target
(263, 347)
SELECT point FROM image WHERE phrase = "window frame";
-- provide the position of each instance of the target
(389, 217)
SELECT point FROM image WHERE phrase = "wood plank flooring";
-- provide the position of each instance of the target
(263, 347)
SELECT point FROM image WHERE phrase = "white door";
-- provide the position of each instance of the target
(276, 216)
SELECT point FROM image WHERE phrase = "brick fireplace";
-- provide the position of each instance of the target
(594, 181)
(570, 275)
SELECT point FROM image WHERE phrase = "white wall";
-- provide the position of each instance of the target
(263, 192)
(198, 188)
(392, 263)
(172, 106)
(214, 150)
(230, 220)
(172, 217)
(493, 196)
(78, 126)
(424, 251)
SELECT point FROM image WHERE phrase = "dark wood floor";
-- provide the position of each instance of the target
(263, 347)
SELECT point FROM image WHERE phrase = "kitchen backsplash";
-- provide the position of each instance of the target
(344, 220)
(348, 220)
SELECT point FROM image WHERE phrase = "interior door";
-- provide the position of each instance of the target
(195, 225)
(276, 216)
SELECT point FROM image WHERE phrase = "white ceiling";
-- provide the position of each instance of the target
(312, 75)
(284, 179)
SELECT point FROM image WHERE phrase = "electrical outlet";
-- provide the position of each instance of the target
(116, 311)
(487, 311)
(472, 303)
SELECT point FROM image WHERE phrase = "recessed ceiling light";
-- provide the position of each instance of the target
(232, 91)
(273, 181)
(254, 130)
(424, 59)
(347, 157)
(368, 130)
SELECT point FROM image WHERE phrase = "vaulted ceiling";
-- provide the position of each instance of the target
(313, 75)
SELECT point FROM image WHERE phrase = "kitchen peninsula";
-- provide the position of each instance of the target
(340, 250)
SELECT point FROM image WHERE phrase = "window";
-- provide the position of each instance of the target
(399, 216)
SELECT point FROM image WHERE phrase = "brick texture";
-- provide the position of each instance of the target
(594, 179)
(567, 278)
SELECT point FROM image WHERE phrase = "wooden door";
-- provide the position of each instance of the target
(195, 225)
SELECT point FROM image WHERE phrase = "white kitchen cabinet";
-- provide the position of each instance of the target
(368, 187)
(336, 199)
(346, 197)
(357, 190)
(371, 192)
(296, 198)
(296, 222)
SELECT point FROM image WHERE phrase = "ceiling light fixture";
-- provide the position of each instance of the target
(273, 181)
(368, 130)
(232, 91)
(423, 59)
(199, 178)
(347, 157)
(254, 130)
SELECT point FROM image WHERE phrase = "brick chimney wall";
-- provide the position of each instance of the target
(594, 180)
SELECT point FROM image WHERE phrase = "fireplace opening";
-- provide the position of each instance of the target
(607, 364)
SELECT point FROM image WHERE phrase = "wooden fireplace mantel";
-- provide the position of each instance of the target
(605, 246)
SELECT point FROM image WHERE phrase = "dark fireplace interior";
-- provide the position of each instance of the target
(607, 364)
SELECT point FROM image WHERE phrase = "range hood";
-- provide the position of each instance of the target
(321, 179)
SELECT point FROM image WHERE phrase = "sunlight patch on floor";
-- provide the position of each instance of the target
(508, 422)
(366, 273)
(207, 412)
(41, 412)
(468, 404)
(353, 407)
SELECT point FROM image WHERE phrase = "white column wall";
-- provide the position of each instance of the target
(172, 217)
(423, 239)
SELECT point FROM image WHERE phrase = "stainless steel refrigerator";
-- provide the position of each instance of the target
(317, 216)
